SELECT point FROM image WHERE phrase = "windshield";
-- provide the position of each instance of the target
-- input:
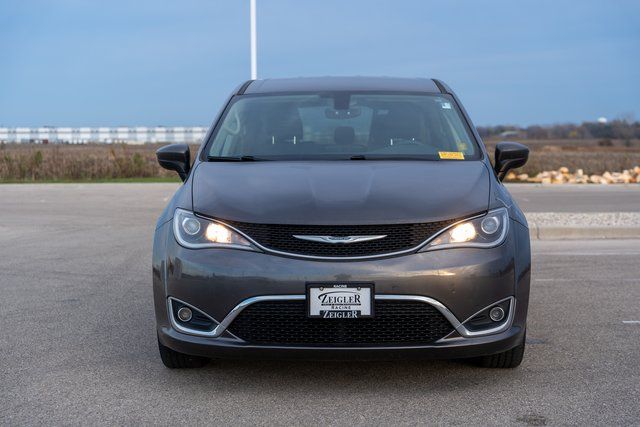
(342, 125)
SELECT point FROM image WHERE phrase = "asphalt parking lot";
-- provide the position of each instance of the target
(78, 344)
(576, 198)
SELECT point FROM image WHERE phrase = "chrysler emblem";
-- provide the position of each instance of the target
(339, 239)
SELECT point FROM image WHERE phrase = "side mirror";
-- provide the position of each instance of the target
(175, 157)
(509, 155)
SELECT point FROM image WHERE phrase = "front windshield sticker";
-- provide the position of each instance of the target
(451, 155)
(446, 106)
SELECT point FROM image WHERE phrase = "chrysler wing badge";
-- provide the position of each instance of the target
(339, 239)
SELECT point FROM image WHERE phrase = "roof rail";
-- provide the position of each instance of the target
(244, 87)
(442, 86)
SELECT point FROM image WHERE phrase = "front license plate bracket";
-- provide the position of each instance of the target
(343, 300)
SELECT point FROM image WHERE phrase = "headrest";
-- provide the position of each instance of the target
(344, 135)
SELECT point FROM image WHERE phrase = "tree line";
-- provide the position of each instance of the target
(615, 129)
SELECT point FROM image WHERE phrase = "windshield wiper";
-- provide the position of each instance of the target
(233, 159)
(391, 157)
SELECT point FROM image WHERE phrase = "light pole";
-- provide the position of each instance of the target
(254, 40)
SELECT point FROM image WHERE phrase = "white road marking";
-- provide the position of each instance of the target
(610, 280)
(601, 253)
(631, 322)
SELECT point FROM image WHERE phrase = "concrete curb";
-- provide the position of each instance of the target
(584, 225)
(585, 233)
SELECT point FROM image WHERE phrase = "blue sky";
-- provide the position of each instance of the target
(139, 62)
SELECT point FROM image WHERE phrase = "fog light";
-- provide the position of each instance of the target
(496, 314)
(184, 314)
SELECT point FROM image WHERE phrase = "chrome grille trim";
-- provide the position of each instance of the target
(457, 325)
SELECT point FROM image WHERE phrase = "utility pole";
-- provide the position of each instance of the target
(254, 41)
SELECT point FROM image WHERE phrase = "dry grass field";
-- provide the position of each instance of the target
(101, 162)
(593, 156)
(91, 162)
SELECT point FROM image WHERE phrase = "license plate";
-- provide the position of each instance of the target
(340, 300)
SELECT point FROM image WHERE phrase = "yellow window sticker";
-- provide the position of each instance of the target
(451, 155)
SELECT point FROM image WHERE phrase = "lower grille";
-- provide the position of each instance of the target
(395, 323)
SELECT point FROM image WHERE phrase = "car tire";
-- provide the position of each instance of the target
(176, 360)
(506, 360)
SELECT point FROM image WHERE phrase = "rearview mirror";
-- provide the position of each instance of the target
(175, 157)
(349, 113)
(509, 155)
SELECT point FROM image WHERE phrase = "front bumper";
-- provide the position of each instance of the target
(464, 281)
(230, 348)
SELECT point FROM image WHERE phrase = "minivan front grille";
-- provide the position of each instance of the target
(399, 237)
(395, 323)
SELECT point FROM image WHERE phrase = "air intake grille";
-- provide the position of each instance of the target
(400, 237)
(286, 323)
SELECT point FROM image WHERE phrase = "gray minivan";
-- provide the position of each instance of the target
(342, 218)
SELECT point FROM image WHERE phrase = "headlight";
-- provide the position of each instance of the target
(484, 232)
(194, 232)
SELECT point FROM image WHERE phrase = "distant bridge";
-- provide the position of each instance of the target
(104, 135)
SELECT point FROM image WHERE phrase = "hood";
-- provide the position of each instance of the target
(340, 193)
